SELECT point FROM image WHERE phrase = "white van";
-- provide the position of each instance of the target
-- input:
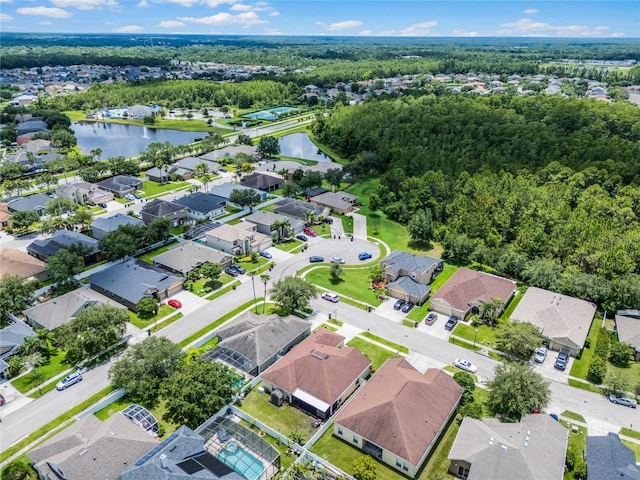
(332, 297)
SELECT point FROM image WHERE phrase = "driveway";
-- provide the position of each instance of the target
(547, 370)
(359, 226)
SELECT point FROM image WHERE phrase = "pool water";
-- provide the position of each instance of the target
(270, 114)
(236, 457)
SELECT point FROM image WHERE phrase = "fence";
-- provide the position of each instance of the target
(257, 423)
(105, 402)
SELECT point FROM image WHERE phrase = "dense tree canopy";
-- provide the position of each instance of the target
(516, 390)
(292, 293)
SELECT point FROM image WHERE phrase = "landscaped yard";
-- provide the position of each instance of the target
(288, 246)
(486, 335)
(376, 354)
(635, 447)
(124, 402)
(354, 283)
(284, 419)
(163, 311)
(154, 189)
(148, 257)
(52, 368)
(386, 342)
(441, 279)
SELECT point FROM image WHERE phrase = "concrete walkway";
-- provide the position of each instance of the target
(359, 225)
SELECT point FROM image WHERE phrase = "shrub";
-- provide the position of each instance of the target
(597, 370)
(621, 354)
(603, 343)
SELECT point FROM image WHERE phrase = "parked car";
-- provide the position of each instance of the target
(231, 271)
(174, 303)
(316, 259)
(129, 197)
(540, 355)
(465, 365)
(265, 254)
(138, 197)
(69, 380)
(328, 220)
(622, 400)
(310, 232)
(451, 323)
(337, 260)
(102, 205)
(406, 308)
(238, 269)
(302, 237)
(398, 305)
(562, 360)
(222, 170)
(431, 318)
(2, 400)
(332, 297)
(364, 256)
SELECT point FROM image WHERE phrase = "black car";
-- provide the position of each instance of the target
(562, 360)
(398, 305)
(238, 269)
(328, 220)
(231, 271)
(451, 323)
(406, 308)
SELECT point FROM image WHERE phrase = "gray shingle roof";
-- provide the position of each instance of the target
(226, 189)
(201, 202)
(111, 224)
(269, 218)
(628, 327)
(133, 280)
(36, 202)
(261, 180)
(160, 208)
(399, 260)
(297, 208)
(62, 238)
(11, 338)
(186, 256)
(608, 458)
(411, 287)
(190, 163)
(120, 183)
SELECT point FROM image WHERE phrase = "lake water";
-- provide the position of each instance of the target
(115, 139)
(299, 145)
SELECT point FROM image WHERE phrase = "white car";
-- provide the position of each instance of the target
(332, 297)
(69, 380)
(465, 365)
(541, 354)
(337, 260)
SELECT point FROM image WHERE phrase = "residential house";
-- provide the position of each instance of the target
(225, 190)
(186, 256)
(407, 275)
(17, 262)
(202, 206)
(176, 214)
(91, 448)
(400, 414)
(182, 456)
(300, 210)
(252, 343)
(36, 202)
(37, 146)
(84, 193)
(468, 289)
(11, 339)
(61, 310)
(238, 239)
(163, 175)
(229, 152)
(138, 112)
(628, 328)
(31, 126)
(129, 282)
(103, 226)
(5, 216)
(338, 202)
(563, 321)
(318, 374)
(191, 164)
(608, 458)
(44, 248)
(268, 223)
(121, 185)
(262, 181)
(532, 449)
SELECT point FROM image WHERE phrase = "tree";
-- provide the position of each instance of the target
(617, 382)
(245, 198)
(466, 381)
(143, 368)
(265, 279)
(196, 390)
(335, 273)
(597, 370)
(421, 227)
(292, 293)
(490, 310)
(620, 354)
(123, 166)
(244, 139)
(158, 230)
(47, 180)
(516, 390)
(334, 176)
(147, 307)
(96, 153)
(290, 189)
(268, 147)
(92, 331)
(63, 139)
(518, 339)
(60, 205)
(253, 285)
(364, 468)
(123, 242)
(473, 410)
(89, 174)
(64, 265)
(18, 470)
(38, 343)
(16, 293)
(24, 219)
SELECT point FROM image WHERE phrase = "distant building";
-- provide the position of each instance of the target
(267, 223)
(17, 262)
(44, 248)
(176, 214)
(186, 256)
(36, 202)
(84, 193)
(202, 206)
(11, 339)
(628, 328)
(262, 181)
(407, 276)
(238, 239)
(338, 202)
(103, 226)
(121, 185)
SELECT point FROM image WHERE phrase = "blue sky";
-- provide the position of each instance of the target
(511, 18)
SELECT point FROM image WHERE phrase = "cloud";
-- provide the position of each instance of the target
(5, 18)
(208, 3)
(85, 4)
(5, 1)
(366, 33)
(143, 4)
(344, 25)
(46, 22)
(170, 24)
(241, 7)
(246, 19)
(460, 32)
(274, 14)
(422, 29)
(52, 12)
(530, 11)
(129, 29)
(529, 28)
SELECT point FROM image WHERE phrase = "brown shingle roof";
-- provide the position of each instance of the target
(317, 366)
(467, 287)
(402, 410)
(17, 262)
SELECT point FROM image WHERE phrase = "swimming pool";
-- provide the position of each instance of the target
(270, 114)
(236, 457)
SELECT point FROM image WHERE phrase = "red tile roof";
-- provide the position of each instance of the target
(402, 410)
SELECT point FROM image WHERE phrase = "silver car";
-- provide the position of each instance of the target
(621, 400)
(69, 380)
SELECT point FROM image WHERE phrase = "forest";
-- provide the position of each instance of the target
(541, 189)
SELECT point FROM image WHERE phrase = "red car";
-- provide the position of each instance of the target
(310, 232)
(2, 400)
(174, 303)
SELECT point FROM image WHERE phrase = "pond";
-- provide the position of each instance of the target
(115, 139)
(299, 145)
(270, 114)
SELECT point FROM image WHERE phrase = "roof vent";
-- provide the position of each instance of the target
(491, 441)
(526, 444)
(504, 447)
(163, 461)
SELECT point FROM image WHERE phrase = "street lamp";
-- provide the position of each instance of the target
(474, 337)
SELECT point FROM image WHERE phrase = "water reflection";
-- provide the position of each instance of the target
(299, 145)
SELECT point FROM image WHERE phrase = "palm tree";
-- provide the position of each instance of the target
(96, 153)
(253, 284)
(265, 278)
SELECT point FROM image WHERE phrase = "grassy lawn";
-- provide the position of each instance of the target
(283, 419)
(577, 442)
(573, 416)
(419, 313)
(168, 321)
(124, 402)
(53, 367)
(486, 335)
(629, 433)
(585, 386)
(580, 366)
(286, 459)
(384, 341)
(163, 311)
(148, 257)
(520, 289)
(438, 464)
(153, 189)
(223, 290)
(288, 246)
(249, 265)
(635, 447)
(445, 275)
(354, 283)
(376, 354)
(632, 372)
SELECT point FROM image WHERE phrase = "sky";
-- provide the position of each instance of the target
(414, 18)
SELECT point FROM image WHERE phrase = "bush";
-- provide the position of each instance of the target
(572, 458)
(580, 470)
(597, 370)
(603, 344)
(621, 354)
